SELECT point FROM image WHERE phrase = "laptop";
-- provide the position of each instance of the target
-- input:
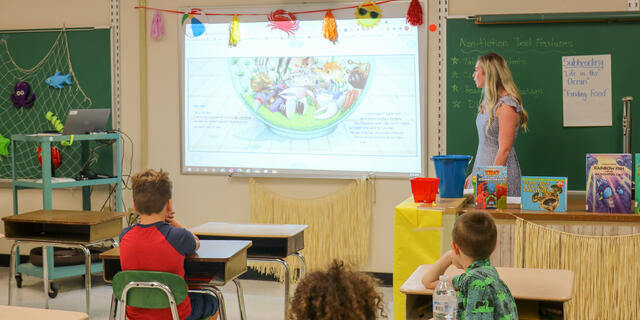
(82, 121)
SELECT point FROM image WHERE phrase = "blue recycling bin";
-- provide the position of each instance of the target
(451, 170)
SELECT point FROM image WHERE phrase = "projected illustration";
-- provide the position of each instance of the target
(301, 97)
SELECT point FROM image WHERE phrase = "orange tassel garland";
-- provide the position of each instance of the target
(414, 14)
(329, 27)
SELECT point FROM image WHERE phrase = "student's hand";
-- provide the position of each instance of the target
(169, 218)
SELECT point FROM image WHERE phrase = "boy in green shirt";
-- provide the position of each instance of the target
(481, 293)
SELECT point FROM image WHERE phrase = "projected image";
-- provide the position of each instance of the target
(302, 104)
(301, 97)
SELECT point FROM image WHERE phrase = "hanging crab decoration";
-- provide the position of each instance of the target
(195, 28)
(284, 21)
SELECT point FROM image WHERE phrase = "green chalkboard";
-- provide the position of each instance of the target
(34, 56)
(534, 53)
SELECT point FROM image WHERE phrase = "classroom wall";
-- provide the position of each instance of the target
(198, 199)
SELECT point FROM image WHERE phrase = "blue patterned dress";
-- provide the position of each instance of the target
(488, 146)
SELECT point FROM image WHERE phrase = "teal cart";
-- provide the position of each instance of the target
(47, 185)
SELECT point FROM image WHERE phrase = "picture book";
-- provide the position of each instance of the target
(637, 183)
(609, 182)
(543, 193)
(491, 187)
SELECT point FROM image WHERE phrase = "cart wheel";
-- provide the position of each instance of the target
(53, 290)
(19, 280)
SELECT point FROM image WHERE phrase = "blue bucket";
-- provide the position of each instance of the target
(451, 171)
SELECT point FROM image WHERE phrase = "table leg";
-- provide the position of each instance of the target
(222, 311)
(45, 275)
(12, 266)
(243, 314)
(284, 263)
(303, 263)
(87, 276)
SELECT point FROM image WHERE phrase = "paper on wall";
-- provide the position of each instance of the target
(586, 90)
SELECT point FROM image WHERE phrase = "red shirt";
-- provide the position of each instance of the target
(156, 247)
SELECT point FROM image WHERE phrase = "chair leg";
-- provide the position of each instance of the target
(243, 314)
(222, 309)
(112, 309)
(122, 313)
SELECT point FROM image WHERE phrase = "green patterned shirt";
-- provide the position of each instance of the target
(483, 295)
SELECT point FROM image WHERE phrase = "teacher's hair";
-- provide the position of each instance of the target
(496, 75)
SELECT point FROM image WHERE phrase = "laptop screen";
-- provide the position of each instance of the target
(81, 121)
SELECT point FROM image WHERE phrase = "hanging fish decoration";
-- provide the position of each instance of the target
(195, 27)
(58, 79)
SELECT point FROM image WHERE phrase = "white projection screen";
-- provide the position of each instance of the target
(287, 102)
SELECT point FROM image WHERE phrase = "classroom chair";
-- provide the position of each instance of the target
(153, 289)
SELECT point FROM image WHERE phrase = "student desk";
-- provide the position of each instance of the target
(271, 243)
(11, 312)
(60, 228)
(528, 286)
(223, 260)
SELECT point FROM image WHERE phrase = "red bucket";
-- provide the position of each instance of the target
(424, 189)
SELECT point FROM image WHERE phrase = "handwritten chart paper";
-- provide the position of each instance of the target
(586, 90)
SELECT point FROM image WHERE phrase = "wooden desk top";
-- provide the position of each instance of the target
(249, 230)
(575, 212)
(209, 251)
(446, 205)
(70, 217)
(13, 312)
(524, 283)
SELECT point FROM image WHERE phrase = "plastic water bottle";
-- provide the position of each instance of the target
(445, 304)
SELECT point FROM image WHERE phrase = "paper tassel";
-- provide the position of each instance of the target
(157, 26)
(329, 27)
(234, 31)
(414, 14)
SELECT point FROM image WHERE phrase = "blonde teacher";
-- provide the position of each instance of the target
(500, 117)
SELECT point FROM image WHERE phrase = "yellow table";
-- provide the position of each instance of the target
(418, 239)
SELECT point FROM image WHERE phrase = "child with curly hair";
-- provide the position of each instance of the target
(337, 293)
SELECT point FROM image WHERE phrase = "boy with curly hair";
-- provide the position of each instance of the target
(159, 243)
(481, 292)
(337, 293)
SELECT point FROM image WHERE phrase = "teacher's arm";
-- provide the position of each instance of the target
(508, 123)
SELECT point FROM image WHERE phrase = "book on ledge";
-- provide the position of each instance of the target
(608, 187)
(543, 193)
(491, 189)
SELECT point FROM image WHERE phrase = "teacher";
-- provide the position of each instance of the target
(500, 117)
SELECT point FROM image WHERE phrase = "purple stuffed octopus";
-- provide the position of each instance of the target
(22, 96)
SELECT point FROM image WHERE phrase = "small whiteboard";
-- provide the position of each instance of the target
(586, 90)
